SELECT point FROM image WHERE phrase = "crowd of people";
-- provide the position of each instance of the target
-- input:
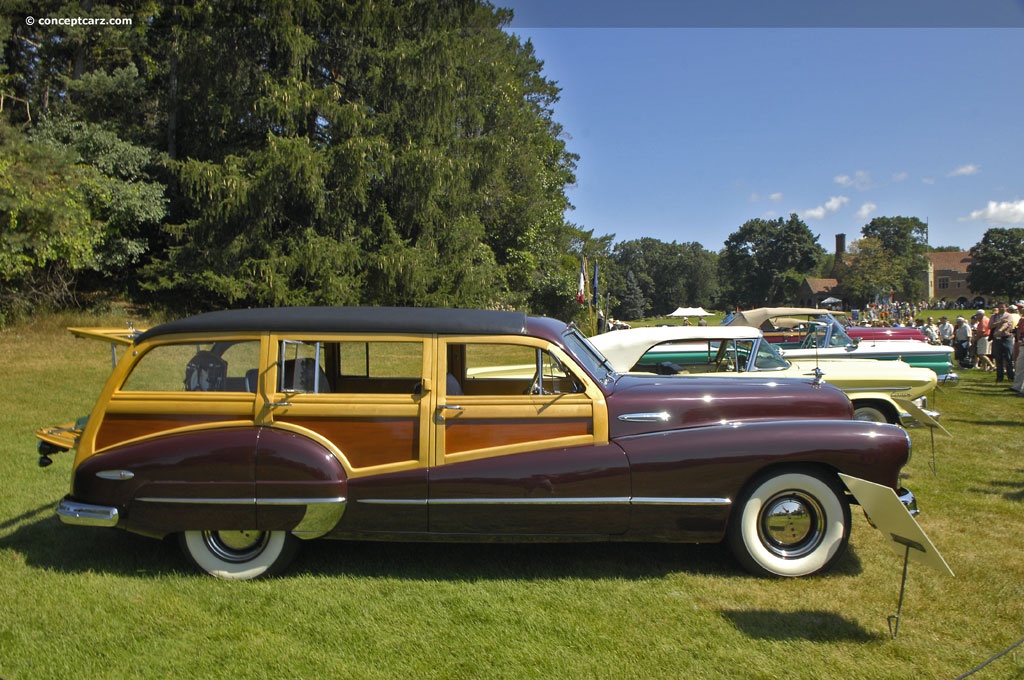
(987, 343)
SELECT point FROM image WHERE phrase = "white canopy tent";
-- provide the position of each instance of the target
(690, 311)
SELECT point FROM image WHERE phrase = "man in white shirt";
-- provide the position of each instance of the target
(945, 331)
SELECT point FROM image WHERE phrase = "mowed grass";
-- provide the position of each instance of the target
(95, 603)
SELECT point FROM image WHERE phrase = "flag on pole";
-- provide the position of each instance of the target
(581, 288)
(596, 297)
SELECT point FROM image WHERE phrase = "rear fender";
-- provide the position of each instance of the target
(228, 479)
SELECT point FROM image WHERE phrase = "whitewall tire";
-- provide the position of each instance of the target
(239, 555)
(790, 523)
(869, 414)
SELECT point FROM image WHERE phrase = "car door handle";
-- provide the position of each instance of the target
(447, 407)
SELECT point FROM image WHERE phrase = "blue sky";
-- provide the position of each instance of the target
(686, 132)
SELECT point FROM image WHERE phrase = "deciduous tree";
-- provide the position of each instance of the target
(997, 266)
(764, 261)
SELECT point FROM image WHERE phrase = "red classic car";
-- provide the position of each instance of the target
(243, 431)
(885, 333)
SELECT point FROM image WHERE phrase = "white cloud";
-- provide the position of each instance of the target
(866, 210)
(773, 197)
(1003, 212)
(928, 180)
(861, 180)
(899, 176)
(831, 205)
(965, 171)
(835, 203)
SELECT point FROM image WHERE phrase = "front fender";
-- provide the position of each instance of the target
(718, 461)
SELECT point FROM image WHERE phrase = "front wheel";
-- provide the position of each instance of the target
(792, 523)
(869, 414)
(239, 555)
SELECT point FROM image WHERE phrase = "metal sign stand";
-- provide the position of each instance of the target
(905, 537)
(929, 422)
(908, 544)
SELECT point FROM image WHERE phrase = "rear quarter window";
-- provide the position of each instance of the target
(197, 367)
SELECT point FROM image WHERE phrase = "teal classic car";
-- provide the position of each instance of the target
(808, 334)
(876, 388)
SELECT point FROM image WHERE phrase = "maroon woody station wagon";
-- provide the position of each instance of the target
(244, 431)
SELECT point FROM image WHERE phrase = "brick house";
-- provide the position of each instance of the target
(946, 279)
(813, 291)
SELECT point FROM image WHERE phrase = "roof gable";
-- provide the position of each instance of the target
(950, 261)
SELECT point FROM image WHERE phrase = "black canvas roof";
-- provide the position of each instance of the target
(350, 320)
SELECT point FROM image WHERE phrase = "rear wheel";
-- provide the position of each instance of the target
(239, 555)
(790, 523)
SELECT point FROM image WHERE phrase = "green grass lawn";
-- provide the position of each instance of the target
(96, 603)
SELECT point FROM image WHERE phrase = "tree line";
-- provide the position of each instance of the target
(228, 154)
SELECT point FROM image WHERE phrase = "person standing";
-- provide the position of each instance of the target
(962, 335)
(945, 331)
(981, 341)
(1018, 360)
(1001, 330)
(930, 330)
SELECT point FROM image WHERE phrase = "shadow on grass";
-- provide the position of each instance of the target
(46, 543)
(813, 626)
(1011, 490)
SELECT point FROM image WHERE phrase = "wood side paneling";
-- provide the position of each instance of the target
(117, 428)
(472, 434)
(367, 442)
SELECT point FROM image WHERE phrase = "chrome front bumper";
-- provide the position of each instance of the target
(907, 420)
(86, 515)
(951, 379)
(909, 501)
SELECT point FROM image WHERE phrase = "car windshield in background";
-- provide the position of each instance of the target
(768, 358)
(588, 355)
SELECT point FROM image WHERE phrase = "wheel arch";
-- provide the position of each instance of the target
(775, 529)
(885, 406)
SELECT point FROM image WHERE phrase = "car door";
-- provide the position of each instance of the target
(521, 444)
(366, 399)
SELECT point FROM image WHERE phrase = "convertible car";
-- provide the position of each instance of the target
(804, 333)
(243, 432)
(742, 352)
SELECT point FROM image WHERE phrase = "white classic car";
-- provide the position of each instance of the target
(742, 352)
(804, 333)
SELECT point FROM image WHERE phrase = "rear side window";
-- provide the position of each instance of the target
(203, 367)
(350, 366)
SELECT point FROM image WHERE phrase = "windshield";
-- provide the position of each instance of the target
(768, 358)
(588, 355)
(824, 334)
(838, 336)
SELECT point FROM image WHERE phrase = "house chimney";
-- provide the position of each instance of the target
(840, 244)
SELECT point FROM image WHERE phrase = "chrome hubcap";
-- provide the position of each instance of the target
(791, 524)
(236, 546)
